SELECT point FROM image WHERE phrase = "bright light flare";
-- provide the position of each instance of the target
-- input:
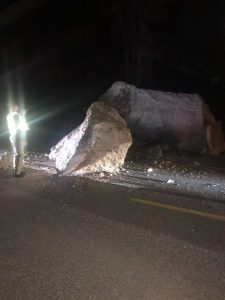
(13, 127)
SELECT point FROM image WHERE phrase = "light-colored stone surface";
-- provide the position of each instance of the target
(156, 117)
(6, 160)
(99, 144)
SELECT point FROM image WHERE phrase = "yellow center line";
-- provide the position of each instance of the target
(180, 209)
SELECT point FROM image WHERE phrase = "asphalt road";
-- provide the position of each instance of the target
(73, 238)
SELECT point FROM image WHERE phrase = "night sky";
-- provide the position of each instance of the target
(60, 56)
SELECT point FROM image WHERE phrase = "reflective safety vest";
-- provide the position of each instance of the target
(16, 124)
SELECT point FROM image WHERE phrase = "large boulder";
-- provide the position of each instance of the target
(100, 143)
(156, 117)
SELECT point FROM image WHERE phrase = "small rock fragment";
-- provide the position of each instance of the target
(170, 181)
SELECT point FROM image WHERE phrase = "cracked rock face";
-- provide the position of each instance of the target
(156, 117)
(99, 144)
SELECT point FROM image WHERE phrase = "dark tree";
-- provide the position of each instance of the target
(136, 23)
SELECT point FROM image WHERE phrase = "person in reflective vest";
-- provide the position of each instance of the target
(18, 127)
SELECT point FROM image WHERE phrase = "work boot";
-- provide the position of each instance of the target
(21, 174)
(59, 173)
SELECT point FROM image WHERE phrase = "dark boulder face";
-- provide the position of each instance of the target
(156, 117)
